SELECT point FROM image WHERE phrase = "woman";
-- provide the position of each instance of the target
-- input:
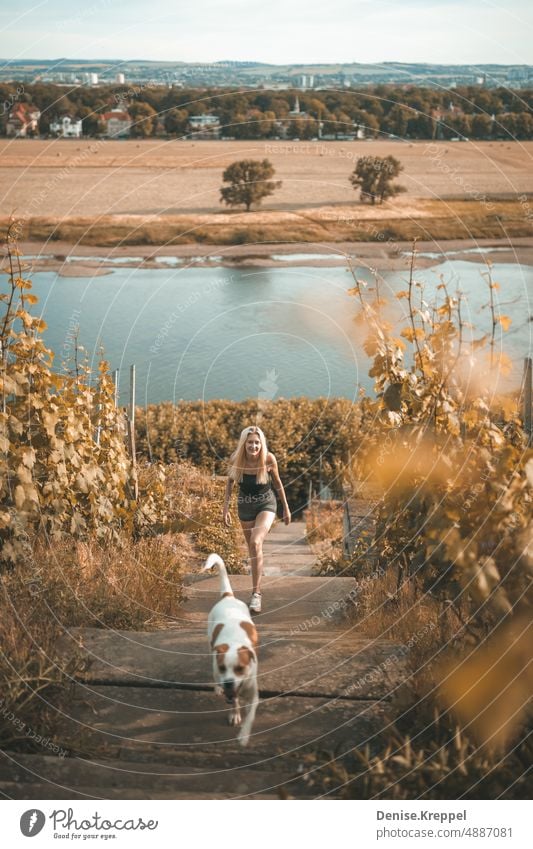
(250, 465)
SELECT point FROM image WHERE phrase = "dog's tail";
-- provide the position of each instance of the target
(215, 559)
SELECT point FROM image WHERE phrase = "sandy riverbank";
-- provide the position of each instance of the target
(83, 261)
(398, 220)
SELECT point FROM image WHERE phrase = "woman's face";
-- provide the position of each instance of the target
(253, 445)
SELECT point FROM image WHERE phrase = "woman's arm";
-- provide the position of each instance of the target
(278, 486)
(226, 515)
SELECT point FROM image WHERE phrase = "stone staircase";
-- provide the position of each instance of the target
(147, 725)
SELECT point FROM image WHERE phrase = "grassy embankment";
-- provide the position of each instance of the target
(423, 219)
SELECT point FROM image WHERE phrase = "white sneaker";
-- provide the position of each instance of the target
(255, 603)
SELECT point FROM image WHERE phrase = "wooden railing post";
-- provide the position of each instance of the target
(132, 395)
(131, 431)
(115, 382)
(528, 370)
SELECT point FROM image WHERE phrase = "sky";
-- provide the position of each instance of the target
(274, 31)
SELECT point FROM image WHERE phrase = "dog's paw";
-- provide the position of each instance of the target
(234, 717)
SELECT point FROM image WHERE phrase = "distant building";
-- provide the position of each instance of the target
(205, 126)
(23, 120)
(67, 127)
(120, 79)
(520, 74)
(273, 86)
(306, 81)
(296, 111)
(118, 123)
(294, 116)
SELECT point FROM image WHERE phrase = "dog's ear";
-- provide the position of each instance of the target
(216, 631)
(246, 655)
(251, 632)
(221, 650)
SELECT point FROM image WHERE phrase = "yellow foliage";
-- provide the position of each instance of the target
(453, 474)
(490, 688)
(505, 321)
(64, 483)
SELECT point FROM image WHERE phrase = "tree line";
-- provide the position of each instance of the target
(408, 112)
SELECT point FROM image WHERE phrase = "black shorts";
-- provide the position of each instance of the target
(249, 506)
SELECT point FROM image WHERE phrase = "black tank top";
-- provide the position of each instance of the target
(249, 486)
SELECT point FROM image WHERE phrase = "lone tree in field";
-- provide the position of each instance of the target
(374, 176)
(249, 182)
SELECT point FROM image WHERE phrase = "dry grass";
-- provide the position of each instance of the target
(381, 609)
(195, 502)
(397, 221)
(130, 585)
(324, 522)
(408, 618)
(31, 669)
(134, 584)
(428, 752)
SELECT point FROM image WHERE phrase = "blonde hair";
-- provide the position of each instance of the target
(238, 458)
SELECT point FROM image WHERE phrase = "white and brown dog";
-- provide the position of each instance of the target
(233, 641)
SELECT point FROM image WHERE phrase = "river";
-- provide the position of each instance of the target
(204, 333)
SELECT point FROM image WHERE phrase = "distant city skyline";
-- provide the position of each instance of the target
(278, 32)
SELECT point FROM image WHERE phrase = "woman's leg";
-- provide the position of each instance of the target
(263, 523)
(247, 528)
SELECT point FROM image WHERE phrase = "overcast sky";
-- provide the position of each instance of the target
(277, 31)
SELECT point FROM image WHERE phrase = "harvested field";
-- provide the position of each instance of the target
(95, 177)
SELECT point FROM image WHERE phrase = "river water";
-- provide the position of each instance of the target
(204, 333)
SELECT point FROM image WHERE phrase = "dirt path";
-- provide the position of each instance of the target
(151, 727)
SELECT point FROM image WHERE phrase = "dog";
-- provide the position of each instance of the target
(233, 640)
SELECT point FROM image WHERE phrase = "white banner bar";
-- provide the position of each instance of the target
(306, 824)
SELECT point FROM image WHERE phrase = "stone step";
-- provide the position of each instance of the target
(290, 533)
(17, 790)
(338, 663)
(283, 551)
(43, 776)
(288, 554)
(287, 600)
(151, 743)
(304, 569)
(286, 562)
(286, 539)
(144, 721)
(190, 728)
